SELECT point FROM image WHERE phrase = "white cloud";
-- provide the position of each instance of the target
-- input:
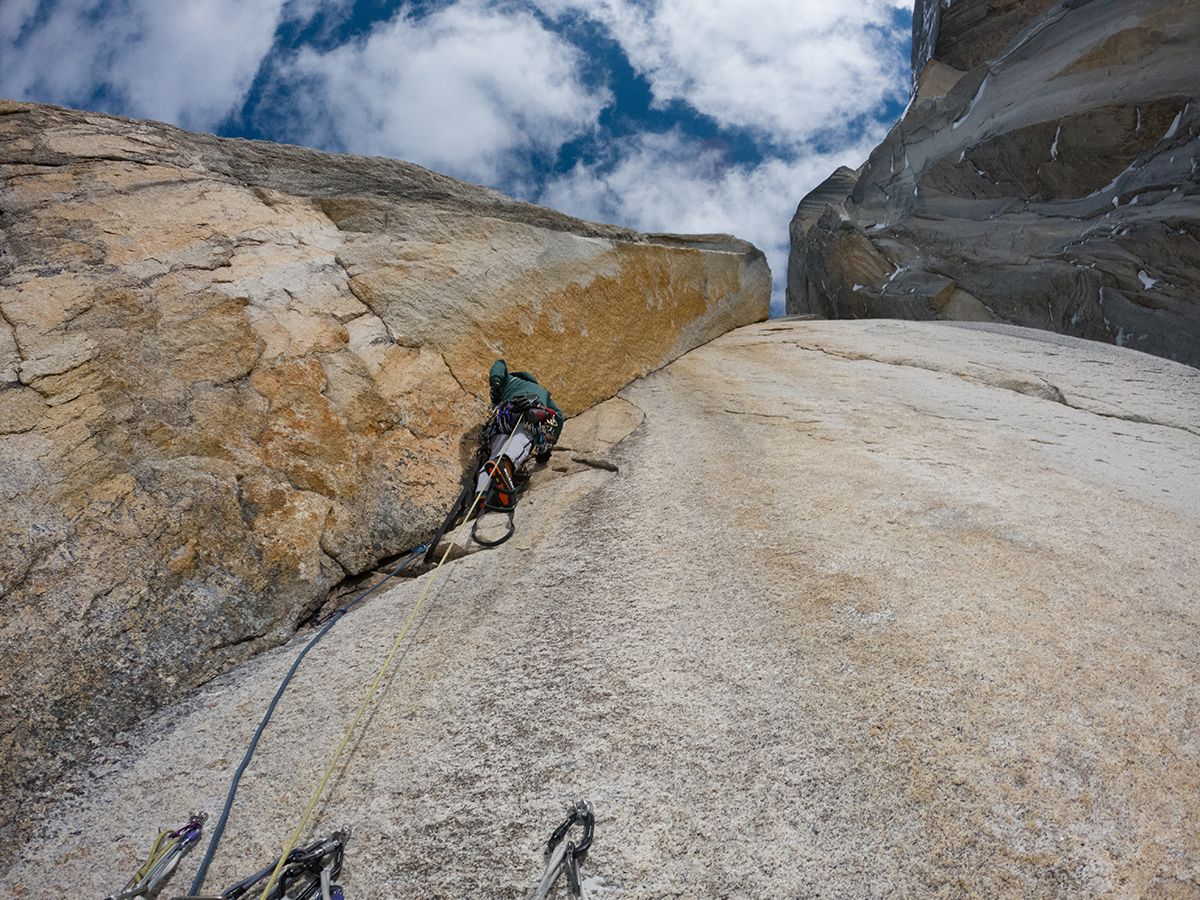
(666, 182)
(797, 73)
(790, 69)
(187, 63)
(472, 89)
(304, 11)
(484, 90)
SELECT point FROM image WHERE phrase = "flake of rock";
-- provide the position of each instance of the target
(234, 373)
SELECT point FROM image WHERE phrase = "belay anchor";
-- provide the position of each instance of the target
(307, 874)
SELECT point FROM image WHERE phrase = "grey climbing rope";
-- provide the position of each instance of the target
(211, 851)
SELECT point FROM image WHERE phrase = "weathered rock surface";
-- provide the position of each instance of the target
(1053, 186)
(234, 372)
(833, 191)
(968, 33)
(870, 609)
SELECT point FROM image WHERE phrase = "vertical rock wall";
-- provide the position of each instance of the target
(927, 18)
(968, 33)
(234, 373)
(1053, 185)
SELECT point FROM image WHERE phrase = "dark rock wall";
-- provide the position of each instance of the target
(968, 33)
(1054, 186)
(927, 18)
(805, 297)
(972, 32)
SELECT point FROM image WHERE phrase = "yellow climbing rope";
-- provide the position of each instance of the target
(159, 850)
(374, 686)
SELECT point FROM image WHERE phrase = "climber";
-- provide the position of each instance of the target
(517, 397)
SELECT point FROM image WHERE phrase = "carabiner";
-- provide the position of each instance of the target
(581, 813)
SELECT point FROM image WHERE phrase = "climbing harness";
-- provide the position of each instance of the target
(164, 856)
(307, 873)
(564, 856)
(539, 423)
(405, 560)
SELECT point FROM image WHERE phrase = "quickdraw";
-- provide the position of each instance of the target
(564, 856)
(307, 874)
(164, 856)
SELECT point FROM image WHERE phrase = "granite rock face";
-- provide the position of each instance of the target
(1054, 185)
(939, 638)
(235, 372)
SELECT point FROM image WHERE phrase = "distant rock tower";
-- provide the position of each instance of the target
(1045, 175)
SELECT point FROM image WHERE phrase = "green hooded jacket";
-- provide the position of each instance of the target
(505, 385)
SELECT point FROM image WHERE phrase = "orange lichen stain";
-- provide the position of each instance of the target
(183, 560)
(207, 337)
(288, 523)
(103, 498)
(289, 375)
(630, 316)
(305, 437)
(362, 289)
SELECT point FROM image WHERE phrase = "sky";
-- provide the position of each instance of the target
(661, 115)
